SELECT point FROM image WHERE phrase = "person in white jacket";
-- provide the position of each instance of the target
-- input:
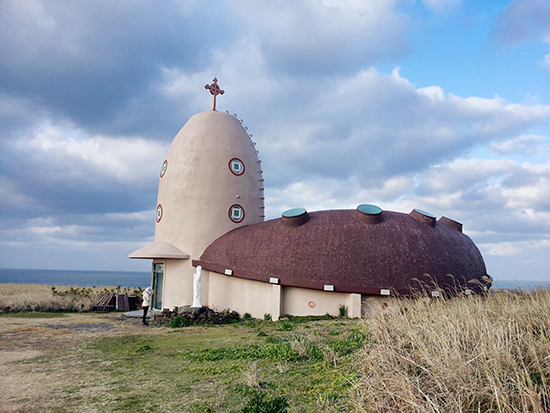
(147, 293)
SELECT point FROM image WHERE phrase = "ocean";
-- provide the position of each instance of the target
(77, 278)
(520, 284)
(143, 279)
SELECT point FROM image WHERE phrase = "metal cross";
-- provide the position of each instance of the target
(215, 91)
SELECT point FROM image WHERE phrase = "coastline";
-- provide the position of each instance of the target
(80, 278)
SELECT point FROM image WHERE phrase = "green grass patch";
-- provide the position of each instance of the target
(306, 319)
(233, 366)
(273, 352)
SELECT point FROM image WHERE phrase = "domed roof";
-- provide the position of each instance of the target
(356, 251)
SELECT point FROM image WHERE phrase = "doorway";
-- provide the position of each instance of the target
(158, 282)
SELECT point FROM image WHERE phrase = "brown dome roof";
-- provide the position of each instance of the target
(359, 251)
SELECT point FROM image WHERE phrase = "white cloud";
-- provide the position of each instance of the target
(67, 152)
(536, 194)
(139, 216)
(500, 249)
(45, 230)
(372, 124)
(49, 228)
(316, 30)
(506, 249)
(524, 144)
(495, 199)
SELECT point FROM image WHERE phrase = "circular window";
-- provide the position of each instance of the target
(163, 169)
(369, 209)
(236, 213)
(159, 212)
(236, 166)
(294, 212)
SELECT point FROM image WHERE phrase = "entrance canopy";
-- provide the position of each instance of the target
(160, 249)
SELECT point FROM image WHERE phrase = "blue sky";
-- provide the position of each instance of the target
(441, 105)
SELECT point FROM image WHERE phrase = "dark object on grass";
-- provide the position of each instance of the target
(118, 302)
(196, 316)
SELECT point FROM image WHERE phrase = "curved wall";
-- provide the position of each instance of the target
(210, 167)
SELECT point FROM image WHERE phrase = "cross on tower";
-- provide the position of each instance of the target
(215, 91)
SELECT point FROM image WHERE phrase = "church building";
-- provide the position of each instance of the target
(213, 248)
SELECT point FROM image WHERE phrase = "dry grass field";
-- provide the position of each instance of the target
(471, 354)
(37, 297)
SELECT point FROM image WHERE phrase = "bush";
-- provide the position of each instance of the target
(178, 322)
(342, 310)
(262, 402)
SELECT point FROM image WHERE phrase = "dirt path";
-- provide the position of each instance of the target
(25, 341)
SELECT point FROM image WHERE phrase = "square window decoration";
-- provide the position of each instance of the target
(236, 166)
(236, 213)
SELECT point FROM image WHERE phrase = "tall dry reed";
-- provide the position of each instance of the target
(37, 297)
(470, 354)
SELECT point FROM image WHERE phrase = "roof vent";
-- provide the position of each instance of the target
(451, 223)
(424, 217)
(369, 214)
(295, 217)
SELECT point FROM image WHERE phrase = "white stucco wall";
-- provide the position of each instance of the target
(178, 283)
(299, 301)
(243, 296)
(259, 298)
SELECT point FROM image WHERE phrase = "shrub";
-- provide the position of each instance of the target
(178, 322)
(342, 310)
(263, 402)
(285, 326)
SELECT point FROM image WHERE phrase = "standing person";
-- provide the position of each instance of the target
(147, 293)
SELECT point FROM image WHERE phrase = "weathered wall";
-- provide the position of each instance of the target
(259, 298)
(243, 296)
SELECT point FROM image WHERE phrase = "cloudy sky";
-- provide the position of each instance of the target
(441, 105)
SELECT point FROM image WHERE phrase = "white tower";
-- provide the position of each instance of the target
(210, 183)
